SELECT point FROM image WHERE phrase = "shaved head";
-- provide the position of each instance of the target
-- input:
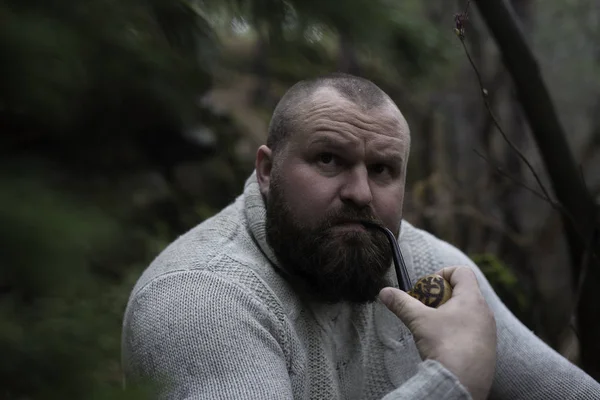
(287, 115)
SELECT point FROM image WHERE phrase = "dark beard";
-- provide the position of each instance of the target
(328, 266)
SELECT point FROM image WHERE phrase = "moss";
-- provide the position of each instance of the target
(504, 281)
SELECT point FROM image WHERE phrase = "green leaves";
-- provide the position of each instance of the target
(504, 281)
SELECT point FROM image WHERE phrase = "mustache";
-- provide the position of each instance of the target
(350, 215)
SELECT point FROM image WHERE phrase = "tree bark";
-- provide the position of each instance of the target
(568, 186)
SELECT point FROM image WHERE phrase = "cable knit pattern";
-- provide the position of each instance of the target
(214, 318)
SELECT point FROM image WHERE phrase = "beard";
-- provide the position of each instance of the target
(328, 265)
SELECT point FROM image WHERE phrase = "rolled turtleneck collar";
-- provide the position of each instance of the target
(256, 216)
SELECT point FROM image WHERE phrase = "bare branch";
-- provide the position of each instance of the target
(484, 94)
(460, 19)
(500, 171)
(483, 219)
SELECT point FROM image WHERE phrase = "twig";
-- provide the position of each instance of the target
(460, 20)
(515, 180)
(484, 94)
(468, 210)
(589, 252)
(460, 32)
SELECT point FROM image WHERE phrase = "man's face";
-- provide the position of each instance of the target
(342, 165)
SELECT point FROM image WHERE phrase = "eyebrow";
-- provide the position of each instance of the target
(387, 154)
(330, 142)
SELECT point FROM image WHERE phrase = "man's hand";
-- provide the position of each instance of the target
(460, 334)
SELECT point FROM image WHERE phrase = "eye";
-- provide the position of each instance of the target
(329, 163)
(325, 158)
(379, 168)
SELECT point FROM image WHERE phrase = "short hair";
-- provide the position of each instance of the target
(359, 91)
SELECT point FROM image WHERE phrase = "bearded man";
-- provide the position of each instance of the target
(284, 294)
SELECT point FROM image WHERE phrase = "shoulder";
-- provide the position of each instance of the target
(186, 323)
(430, 253)
(219, 252)
(203, 285)
(221, 245)
(198, 248)
(215, 265)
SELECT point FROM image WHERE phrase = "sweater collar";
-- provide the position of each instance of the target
(256, 216)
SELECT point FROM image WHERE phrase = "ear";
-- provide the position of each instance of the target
(264, 166)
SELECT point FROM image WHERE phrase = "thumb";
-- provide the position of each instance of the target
(406, 307)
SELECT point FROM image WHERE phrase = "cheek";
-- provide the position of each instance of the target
(309, 195)
(388, 206)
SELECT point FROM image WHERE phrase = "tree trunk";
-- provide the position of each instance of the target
(560, 165)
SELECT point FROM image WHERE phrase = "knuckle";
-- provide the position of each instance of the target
(469, 272)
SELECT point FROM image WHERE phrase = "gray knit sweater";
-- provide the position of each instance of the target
(213, 317)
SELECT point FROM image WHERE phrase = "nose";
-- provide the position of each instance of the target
(356, 188)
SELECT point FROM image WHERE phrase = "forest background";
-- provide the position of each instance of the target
(125, 123)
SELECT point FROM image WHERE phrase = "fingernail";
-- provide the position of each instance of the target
(385, 296)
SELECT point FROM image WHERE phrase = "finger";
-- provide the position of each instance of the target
(461, 278)
(406, 307)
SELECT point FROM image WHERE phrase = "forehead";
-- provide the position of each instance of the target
(328, 112)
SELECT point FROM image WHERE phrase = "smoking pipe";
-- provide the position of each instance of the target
(432, 290)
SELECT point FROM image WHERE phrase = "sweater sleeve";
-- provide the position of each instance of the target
(203, 337)
(526, 368)
(432, 381)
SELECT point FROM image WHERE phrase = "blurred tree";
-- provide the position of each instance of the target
(89, 92)
(579, 211)
(60, 316)
(127, 74)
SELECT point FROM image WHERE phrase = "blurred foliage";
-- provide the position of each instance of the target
(126, 73)
(89, 93)
(59, 311)
(393, 40)
(505, 282)
(68, 60)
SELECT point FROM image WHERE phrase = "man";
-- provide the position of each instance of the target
(283, 294)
